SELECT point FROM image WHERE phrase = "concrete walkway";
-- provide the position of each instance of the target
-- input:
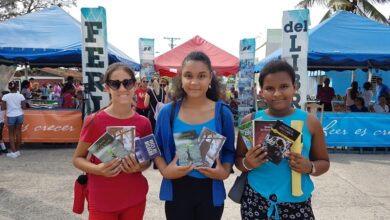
(39, 186)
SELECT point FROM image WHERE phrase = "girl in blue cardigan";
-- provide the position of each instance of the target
(194, 192)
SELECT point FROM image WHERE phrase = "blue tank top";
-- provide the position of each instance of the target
(271, 179)
(181, 126)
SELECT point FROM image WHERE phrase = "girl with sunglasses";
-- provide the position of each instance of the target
(117, 189)
(194, 193)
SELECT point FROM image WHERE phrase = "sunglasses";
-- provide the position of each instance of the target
(116, 84)
(145, 81)
(163, 85)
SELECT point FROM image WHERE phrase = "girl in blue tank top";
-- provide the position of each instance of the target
(268, 192)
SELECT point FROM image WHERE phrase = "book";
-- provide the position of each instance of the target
(123, 134)
(261, 129)
(279, 141)
(146, 148)
(187, 148)
(107, 148)
(210, 143)
(246, 131)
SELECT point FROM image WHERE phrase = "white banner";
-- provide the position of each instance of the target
(94, 56)
(294, 50)
(146, 55)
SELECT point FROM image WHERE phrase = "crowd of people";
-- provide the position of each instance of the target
(356, 100)
(117, 189)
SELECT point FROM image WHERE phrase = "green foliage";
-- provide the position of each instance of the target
(360, 7)
(13, 8)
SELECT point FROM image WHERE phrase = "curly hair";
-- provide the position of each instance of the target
(212, 93)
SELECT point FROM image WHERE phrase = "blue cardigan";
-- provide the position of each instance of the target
(164, 137)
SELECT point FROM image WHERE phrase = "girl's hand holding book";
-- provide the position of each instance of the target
(220, 172)
(255, 157)
(299, 164)
(130, 164)
(173, 171)
(109, 169)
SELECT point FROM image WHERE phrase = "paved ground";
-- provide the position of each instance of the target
(39, 184)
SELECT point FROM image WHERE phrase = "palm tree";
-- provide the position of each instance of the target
(359, 7)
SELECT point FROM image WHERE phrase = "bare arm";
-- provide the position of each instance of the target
(147, 100)
(172, 170)
(3, 105)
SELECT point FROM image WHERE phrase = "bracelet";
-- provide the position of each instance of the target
(313, 169)
(243, 164)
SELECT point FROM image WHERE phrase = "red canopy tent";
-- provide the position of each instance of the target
(168, 64)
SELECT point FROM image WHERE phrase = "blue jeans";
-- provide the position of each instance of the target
(17, 120)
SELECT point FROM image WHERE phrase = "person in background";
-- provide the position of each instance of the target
(164, 83)
(359, 105)
(326, 94)
(189, 192)
(381, 90)
(68, 94)
(351, 94)
(45, 92)
(268, 191)
(381, 106)
(117, 189)
(367, 94)
(3, 149)
(14, 103)
(31, 84)
(26, 93)
(140, 94)
(153, 96)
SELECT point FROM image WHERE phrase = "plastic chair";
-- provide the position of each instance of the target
(313, 108)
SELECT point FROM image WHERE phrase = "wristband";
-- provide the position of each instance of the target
(243, 164)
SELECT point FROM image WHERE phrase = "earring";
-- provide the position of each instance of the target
(209, 86)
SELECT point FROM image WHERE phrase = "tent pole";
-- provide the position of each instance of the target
(353, 75)
(25, 71)
(369, 75)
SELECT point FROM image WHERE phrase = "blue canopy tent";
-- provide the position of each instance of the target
(48, 38)
(345, 41)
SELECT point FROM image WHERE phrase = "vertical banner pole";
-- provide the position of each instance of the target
(146, 54)
(94, 57)
(294, 50)
(246, 77)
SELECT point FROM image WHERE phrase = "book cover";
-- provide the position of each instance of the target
(107, 148)
(146, 148)
(279, 141)
(187, 148)
(246, 131)
(260, 130)
(210, 143)
(125, 135)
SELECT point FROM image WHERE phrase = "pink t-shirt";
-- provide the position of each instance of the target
(109, 194)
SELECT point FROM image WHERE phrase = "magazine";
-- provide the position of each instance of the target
(187, 148)
(279, 141)
(261, 129)
(246, 131)
(124, 134)
(146, 148)
(107, 148)
(210, 143)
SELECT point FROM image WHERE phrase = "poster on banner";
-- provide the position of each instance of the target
(94, 57)
(146, 54)
(294, 50)
(246, 77)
